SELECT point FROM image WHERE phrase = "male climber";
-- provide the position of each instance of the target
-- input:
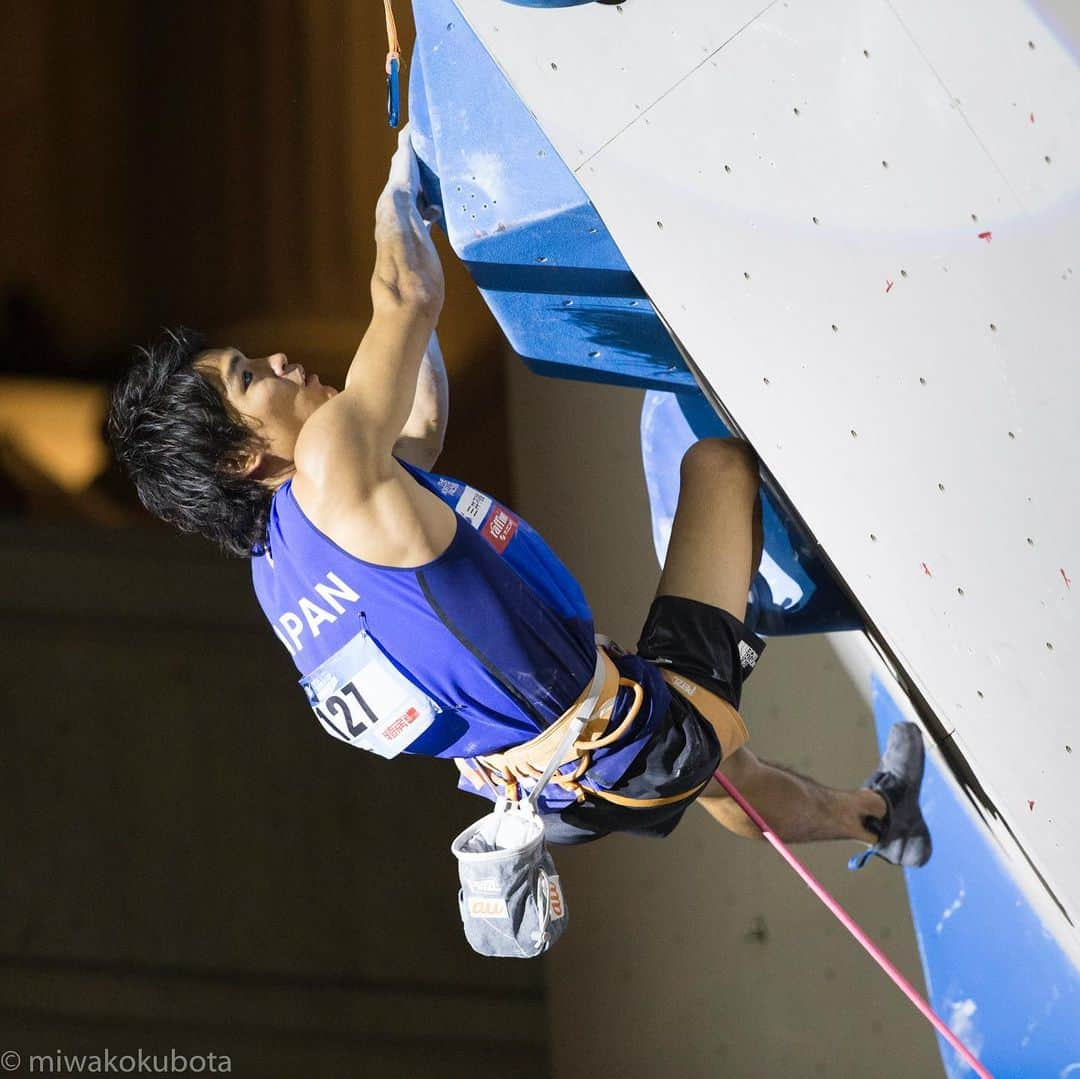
(424, 617)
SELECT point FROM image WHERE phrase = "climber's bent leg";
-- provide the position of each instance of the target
(716, 537)
(694, 627)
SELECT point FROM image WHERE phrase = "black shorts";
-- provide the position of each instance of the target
(709, 646)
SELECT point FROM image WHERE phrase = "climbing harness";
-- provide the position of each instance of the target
(525, 763)
(853, 928)
(393, 68)
(510, 899)
(530, 761)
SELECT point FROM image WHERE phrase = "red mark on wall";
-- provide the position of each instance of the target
(888, 285)
(926, 570)
(1031, 805)
(1068, 583)
(987, 236)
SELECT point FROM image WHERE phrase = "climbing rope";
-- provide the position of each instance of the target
(393, 68)
(853, 928)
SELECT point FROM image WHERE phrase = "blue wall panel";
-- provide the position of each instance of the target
(995, 974)
(539, 252)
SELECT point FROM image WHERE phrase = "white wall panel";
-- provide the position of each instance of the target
(582, 86)
(1004, 73)
(911, 385)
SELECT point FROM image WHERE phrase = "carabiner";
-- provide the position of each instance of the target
(393, 92)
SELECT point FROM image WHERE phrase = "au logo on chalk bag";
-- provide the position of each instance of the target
(555, 898)
(487, 906)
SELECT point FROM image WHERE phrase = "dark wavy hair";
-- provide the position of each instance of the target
(179, 441)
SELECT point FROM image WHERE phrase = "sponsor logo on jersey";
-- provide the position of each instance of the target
(487, 886)
(747, 656)
(448, 487)
(499, 528)
(473, 506)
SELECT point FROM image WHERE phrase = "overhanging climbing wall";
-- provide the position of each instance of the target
(862, 221)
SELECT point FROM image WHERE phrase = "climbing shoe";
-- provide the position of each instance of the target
(903, 838)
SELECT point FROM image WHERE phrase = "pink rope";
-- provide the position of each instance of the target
(812, 883)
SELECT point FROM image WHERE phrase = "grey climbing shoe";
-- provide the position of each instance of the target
(903, 838)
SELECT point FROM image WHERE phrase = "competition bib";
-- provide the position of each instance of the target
(359, 696)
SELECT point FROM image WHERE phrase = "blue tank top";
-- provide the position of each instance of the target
(495, 630)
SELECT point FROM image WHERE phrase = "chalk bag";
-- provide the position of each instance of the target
(510, 899)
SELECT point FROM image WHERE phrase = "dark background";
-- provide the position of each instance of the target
(189, 863)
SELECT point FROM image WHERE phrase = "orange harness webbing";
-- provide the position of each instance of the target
(527, 761)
